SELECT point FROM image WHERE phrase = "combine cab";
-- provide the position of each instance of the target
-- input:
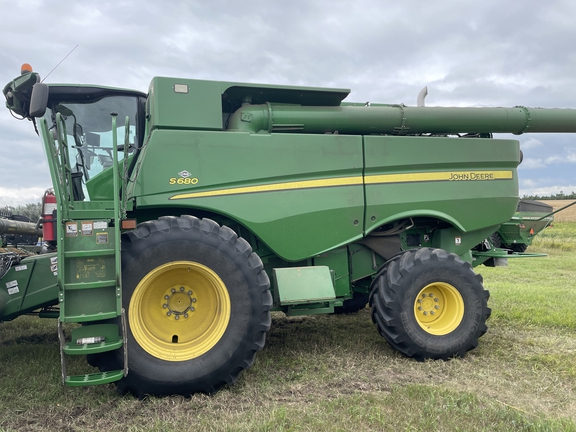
(185, 215)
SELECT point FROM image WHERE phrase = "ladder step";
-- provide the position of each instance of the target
(90, 285)
(94, 378)
(73, 348)
(82, 339)
(88, 318)
(89, 253)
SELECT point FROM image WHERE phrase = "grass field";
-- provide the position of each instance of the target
(567, 215)
(336, 373)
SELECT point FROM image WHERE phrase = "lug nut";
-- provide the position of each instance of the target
(425, 313)
(173, 290)
(191, 309)
(419, 307)
(431, 312)
(185, 315)
(181, 288)
(190, 293)
(177, 317)
(166, 296)
(165, 305)
(436, 307)
(436, 299)
(168, 313)
(193, 300)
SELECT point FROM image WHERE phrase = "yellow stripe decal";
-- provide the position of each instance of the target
(354, 181)
(440, 176)
(275, 187)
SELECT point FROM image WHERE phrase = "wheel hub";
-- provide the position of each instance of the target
(429, 304)
(179, 302)
(439, 308)
(164, 313)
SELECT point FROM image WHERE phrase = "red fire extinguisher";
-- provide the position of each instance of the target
(48, 220)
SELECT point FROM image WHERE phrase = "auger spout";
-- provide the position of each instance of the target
(400, 119)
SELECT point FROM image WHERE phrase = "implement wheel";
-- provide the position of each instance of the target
(198, 306)
(517, 247)
(428, 303)
(496, 240)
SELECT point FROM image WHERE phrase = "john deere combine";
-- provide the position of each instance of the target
(184, 216)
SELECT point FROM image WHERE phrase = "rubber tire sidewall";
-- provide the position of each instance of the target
(395, 290)
(189, 239)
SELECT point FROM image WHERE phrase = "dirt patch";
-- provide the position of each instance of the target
(567, 215)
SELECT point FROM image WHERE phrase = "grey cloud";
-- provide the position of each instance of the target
(486, 53)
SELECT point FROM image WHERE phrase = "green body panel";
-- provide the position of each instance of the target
(305, 196)
(452, 179)
(89, 272)
(304, 290)
(254, 179)
(178, 103)
(337, 260)
(300, 285)
(101, 186)
(363, 262)
(28, 286)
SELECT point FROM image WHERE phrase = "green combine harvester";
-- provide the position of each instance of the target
(180, 218)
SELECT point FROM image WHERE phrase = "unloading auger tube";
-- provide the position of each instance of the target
(399, 119)
(8, 226)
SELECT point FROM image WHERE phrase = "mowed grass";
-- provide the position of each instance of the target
(336, 373)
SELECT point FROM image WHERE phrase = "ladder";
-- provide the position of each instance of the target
(89, 265)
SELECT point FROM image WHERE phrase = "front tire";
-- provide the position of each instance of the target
(428, 303)
(198, 306)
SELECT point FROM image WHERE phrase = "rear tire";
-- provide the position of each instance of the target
(353, 305)
(198, 306)
(428, 303)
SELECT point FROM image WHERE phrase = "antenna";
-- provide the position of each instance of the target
(59, 63)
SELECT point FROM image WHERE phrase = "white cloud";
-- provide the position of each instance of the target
(20, 196)
(532, 163)
(569, 158)
(531, 144)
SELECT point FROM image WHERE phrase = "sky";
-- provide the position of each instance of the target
(468, 53)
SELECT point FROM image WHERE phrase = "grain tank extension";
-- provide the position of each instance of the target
(187, 214)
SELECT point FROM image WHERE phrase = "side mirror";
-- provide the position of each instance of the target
(38, 100)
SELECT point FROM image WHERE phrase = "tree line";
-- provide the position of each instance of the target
(559, 196)
(32, 211)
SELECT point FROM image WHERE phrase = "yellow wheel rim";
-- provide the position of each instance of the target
(179, 311)
(439, 308)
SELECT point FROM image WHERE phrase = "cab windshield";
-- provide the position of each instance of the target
(89, 131)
